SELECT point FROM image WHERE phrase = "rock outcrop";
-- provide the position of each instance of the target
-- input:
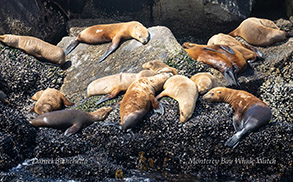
(32, 17)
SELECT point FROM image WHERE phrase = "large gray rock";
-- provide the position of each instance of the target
(129, 57)
(32, 17)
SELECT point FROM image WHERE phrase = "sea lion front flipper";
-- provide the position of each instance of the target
(1, 38)
(210, 49)
(113, 94)
(162, 94)
(65, 100)
(37, 95)
(113, 47)
(227, 49)
(71, 46)
(72, 130)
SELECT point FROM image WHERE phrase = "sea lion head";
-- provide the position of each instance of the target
(214, 95)
(140, 33)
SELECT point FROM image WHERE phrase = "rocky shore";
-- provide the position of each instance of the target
(195, 148)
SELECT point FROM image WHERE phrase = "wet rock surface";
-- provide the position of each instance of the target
(195, 147)
(32, 17)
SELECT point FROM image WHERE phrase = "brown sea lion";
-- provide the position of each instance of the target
(3, 97)
(36, 47)
(111, 32)
(260, 32)
(139, 97)
(250, 113)
(113, 84)
(49, 100)
(209, 55)
(159, 67)
(204, 81)
(184, 91)
(248, 52)
(71, 120)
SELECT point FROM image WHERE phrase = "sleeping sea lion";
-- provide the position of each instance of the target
(113, 84)
(248, 52)
(204, 81)
(214, 58)
(139, 97)
(250, 113)
(49, 100)
(159, 67)
(184, 91)
(36, 47)
(260, 32)
(71, 120)
(111, 32)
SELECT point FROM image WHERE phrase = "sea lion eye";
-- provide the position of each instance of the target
(219, 92)
(212, 94)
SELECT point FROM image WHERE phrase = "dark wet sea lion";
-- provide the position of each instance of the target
(71, 120)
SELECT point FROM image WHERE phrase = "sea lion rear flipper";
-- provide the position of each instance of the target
(227, 49)
(71, 46)
(33, 109)
(162, 94)
(157, 106)
(72, 130)
(237, 137)
(231, 77)
(65, 100)
(113, 47)
(258, 53)
(37, 95)
(6, 101)
(1, 38)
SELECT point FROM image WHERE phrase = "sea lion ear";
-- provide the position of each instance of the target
(219, 92)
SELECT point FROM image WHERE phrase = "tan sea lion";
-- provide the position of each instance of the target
(71, 120)
(113, 84)
(3, 97)
(36, 47)
(209, 55)
(184, 91)
(248, 52)
(159, 67)
(260, 32)
(139, 97)
(250, 113)
(49, 100)
(111, 32)
(204, 81)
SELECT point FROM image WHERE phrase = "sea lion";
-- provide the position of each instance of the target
(233, 55)
(3, 97)
(204, 81)
(113, 84)
(111, 32)
(260, 32)
(159, 67)
(184, 91)
(248, 52)
(49, 100)
(139, 97)
(71, 120)
(36, 47)
(214, 58)
(250, 112)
